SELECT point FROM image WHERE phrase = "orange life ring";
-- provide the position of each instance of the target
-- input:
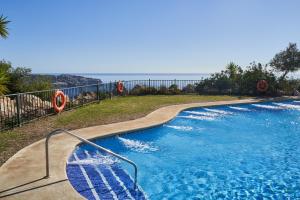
(120, 87)
(63, 98)
(262, 86)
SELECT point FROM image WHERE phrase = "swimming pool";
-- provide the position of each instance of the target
(235, 151)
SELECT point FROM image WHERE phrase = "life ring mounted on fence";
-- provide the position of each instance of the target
(62, 96)
(120, 87)
(262, 86)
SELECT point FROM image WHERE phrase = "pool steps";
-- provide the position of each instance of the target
(111, 182)
(101, 181)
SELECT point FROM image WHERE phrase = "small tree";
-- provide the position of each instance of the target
(5, 68)
(234, 73)
(4, 79)
(287, 60)
(189, 88)
(3, 27)
(173, 89)
(233, 70)
(18, 77)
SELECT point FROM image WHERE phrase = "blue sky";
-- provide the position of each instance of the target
(131, 36)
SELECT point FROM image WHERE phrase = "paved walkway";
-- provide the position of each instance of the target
(21, 177)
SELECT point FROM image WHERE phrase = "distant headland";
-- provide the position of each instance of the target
(67, 80)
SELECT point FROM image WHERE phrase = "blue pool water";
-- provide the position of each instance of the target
(241, 151)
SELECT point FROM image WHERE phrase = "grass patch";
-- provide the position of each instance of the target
(7, 137)
(107, 111)
(117, 109)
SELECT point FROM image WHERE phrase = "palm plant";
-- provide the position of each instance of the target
(4, 80)
(3, 26)
(5, 68)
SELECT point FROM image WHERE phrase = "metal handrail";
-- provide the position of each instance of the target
(87, 142)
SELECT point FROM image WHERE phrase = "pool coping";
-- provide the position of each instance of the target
(22, 176)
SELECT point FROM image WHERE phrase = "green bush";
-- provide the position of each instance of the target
(38, 83)
(288, 87)
(4, 77)
(189, 88)
(143, 90)
(173, 89)
(163, 90)
(234, 80)
(138, 90)
(252, 75)
(20, 79)
(103, 95)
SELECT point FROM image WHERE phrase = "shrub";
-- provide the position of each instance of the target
(234, 80)
(103, 96)
(288, 87)
(4, 77)
(173, 89)
(151, 90)
(143, 90)
(218, 83)
(189, 88)
(252, 75)
(163, 90)
(138, 90)
(20, 79)
(37, 84)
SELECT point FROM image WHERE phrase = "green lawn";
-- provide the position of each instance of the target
(107, 111)
(126, 107)
(8, 137)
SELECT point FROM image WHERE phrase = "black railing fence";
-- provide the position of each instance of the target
(17, 109)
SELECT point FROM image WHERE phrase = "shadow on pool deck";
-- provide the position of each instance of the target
(28, 189)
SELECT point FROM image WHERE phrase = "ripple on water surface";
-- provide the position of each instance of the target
(241, 152)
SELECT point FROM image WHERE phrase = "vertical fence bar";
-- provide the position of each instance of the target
(18, 104)
(110, 92)
(8, 112)
(81, 96)
(1, 116)
(98, 92)
(149, 86)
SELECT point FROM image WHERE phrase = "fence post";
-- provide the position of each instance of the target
(149, 85)
(98, 92)
(81, 93)
(110, 92)
(18, 103)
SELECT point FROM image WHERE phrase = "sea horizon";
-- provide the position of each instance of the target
(107, 77)
(118, 73)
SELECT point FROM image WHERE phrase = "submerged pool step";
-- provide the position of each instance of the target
(101, 181)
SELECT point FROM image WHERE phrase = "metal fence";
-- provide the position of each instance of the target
(17, 109)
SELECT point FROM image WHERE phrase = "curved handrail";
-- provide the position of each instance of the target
(57, 131)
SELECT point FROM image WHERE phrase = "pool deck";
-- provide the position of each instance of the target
(22, 176)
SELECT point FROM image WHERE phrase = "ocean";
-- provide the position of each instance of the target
(107, 77)
(111, 77)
